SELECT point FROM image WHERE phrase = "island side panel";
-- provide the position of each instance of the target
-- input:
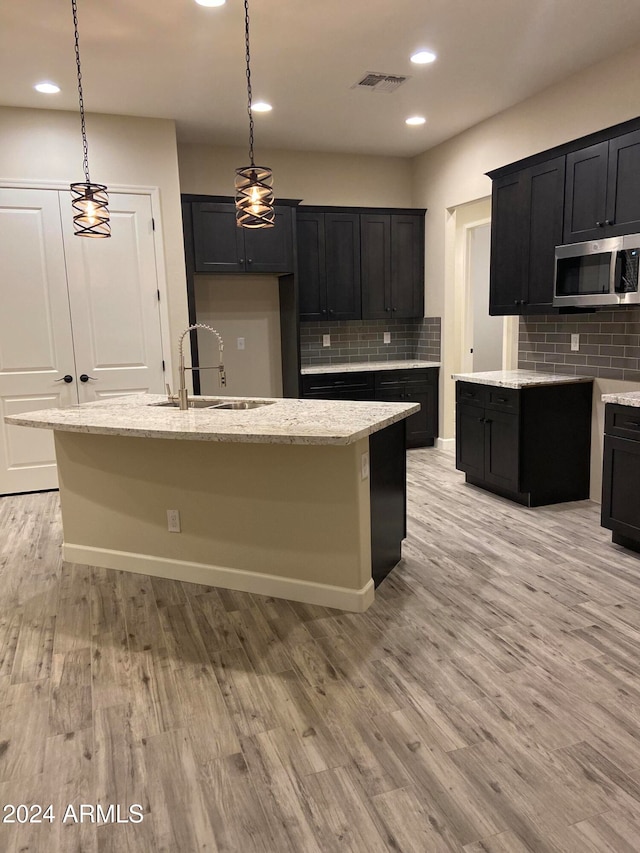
(285, 520)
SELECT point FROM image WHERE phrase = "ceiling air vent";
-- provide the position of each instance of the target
(376, 82)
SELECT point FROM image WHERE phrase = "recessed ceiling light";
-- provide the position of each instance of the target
(416, 120)
(47, 88)
(423, 57)
(211, 2)
(261, 107)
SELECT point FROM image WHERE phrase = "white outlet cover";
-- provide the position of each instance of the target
(326, 340)
(240, 343)
(575, 342)
(386, 337)
(173, 520)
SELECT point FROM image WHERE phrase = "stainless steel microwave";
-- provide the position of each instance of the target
(599, 272)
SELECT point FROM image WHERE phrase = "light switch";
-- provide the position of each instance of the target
(240, 343)
(575, 343)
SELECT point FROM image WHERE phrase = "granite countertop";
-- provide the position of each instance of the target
(357, 366)
(520, 378)
(285, 421)
(623, 398)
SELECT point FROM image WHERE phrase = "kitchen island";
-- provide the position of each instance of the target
(299, 499)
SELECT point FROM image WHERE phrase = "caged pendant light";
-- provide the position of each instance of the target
(89, 201)
(254, 184)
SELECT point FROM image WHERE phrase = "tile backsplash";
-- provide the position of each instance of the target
(609, 344)
(362, 340)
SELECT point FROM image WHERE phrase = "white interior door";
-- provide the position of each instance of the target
(487, 330)
(36, 349)
(113, 293)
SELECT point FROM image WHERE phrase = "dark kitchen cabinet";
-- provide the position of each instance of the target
(603, 189)
(413, 386)
(220, 246)
(416, 385)
(526, 226)
(620, 511)
(531, 445)
(392, 265)
(328, 265)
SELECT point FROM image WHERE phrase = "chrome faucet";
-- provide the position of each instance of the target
(182, 397)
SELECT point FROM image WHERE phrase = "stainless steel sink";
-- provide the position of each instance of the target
(220, 403)
(243, 404)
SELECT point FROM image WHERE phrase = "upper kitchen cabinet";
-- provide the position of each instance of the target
(220, 246)
(392, 265)
(603, 189)
(360, 263)
(526, 226)
(328, 265)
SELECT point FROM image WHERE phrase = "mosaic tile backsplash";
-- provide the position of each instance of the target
(609, 344)
(362, 340)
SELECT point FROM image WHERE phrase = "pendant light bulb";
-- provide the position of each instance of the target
(90, 202)
(254, 184)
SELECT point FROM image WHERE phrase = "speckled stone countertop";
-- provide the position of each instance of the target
(357, 366)
(519, 378)
(286, 421)
(624, 398)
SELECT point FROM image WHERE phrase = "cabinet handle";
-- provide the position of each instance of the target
(387, 309)
(501, 400)
(68, 378)
(609, 222)
(331, 311)
(240, 260)
(599, 224)
(394, 309)
(250, 261)
(480, 420)
(632, 424)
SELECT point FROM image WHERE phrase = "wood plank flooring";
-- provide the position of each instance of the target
(488, 702)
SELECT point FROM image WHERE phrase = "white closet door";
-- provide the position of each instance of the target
(36, 349)
(113, 292)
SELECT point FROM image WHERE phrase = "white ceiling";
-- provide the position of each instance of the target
(175, 59)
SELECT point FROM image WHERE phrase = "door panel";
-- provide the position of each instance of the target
(35, 334)
(376, 265)
(407, 266)
(114, 303)
(502, 450)
(585, 197)
(470, 438)
(342, 253)
(623, 184)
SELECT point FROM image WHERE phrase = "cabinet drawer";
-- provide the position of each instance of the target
(320, 382)
(410, 378)
(503, 399)
(471, 393)
(623, 421)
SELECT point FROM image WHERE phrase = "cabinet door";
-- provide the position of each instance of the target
(270, 249)
(407, 266)
(375, 243)
(470, 439)
(218, 242)
(620, 478)
(586, 191)
(502, 449)
(506, 290)
(623, 185)
(543, 190)
(312, 277)
(342, 257)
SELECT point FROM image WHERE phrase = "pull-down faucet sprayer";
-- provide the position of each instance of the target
(183, 394)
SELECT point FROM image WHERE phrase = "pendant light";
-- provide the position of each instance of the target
(254, 184)
(89, 201)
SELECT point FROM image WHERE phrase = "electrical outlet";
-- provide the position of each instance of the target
(173, 520)
(326, 340)
(386, 337)
(364, 466)
(575, 343)
(240, 343)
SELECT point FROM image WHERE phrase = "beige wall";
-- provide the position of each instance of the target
(453, 173)
(46, 146)
(340, 179)
(246, 307)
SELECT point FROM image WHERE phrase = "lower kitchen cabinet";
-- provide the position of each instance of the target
(395, 386)
(531, 445)
(621, 475)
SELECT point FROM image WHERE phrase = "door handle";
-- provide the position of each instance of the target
(68, 378)
(85, 378)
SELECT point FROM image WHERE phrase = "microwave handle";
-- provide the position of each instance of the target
(613, 272)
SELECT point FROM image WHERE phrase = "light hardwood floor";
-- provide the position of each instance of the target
(489, 701)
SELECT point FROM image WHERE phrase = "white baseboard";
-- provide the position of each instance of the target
(309, 592)
(446, 444)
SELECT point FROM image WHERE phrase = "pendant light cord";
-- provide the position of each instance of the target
(85, 146)
(249, 94)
